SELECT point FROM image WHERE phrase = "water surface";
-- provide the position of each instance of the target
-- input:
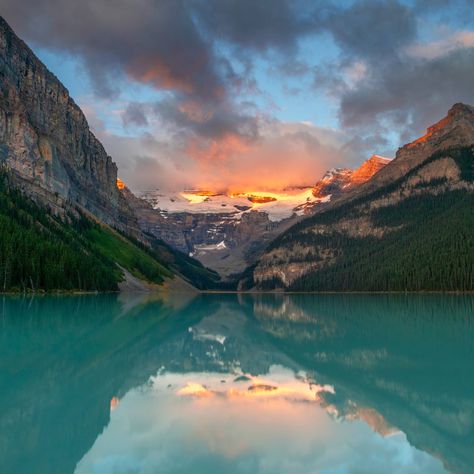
(237, 384)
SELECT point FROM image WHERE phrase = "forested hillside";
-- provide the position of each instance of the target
(39, 251)
(415, 234)
(433, 250)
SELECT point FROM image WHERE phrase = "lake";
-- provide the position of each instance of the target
(237, 384)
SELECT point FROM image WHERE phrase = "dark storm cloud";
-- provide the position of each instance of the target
(461, 10)
(168, 44)
(364, 146)
(207, 120)
(397, 91)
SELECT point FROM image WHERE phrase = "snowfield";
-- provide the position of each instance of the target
(280, 205)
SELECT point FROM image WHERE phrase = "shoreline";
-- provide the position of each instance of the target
(231, 292)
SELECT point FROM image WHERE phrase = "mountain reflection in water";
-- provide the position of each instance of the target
(237, 384)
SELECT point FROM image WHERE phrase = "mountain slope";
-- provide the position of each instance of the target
(40, 251)
(65, 222)
(408, 228)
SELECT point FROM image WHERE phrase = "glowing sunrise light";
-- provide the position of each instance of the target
(195, 390)
(114, 403)
(430, 131)
(194, 198)
(120, 184)
(258, 388)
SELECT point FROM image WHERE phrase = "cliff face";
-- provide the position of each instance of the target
(46, 142)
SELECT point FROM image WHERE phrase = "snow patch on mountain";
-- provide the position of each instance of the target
(278, 205)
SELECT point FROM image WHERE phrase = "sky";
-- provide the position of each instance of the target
(248, 95)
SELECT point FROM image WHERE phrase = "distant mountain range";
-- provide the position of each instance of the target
(67, 221)
(228, 231)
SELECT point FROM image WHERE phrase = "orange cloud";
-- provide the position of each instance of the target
(217, 149)
(285, 155)
(159, 74)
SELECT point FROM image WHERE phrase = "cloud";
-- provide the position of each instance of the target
(200, 58)
(207, 119)
(372, 30)
(460, 11)
(284, 154)
(435, 49)
(412, 95)
(259, 26)
(135, 114)
(153, 42)
(386, 80)
(167, 44)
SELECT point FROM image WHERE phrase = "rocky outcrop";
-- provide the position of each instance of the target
(46, 142)
(368, 169)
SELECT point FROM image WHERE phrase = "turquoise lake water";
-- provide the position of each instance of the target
(237, 384)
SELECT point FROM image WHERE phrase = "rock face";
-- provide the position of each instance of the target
(46, 142)
(368, 169)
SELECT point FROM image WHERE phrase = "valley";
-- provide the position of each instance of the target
(227, 232)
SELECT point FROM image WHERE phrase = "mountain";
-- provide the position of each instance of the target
(333, 182)
(228, 231)
(408, 228)
(46, 141)
(65, 222)
(340, 180)
(368, 169)
(225, 234)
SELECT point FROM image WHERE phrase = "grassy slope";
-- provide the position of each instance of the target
(140, 261)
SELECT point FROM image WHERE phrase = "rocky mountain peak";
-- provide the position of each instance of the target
(333, 182)
(368, 168)
(338, 180)
(460, 110)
